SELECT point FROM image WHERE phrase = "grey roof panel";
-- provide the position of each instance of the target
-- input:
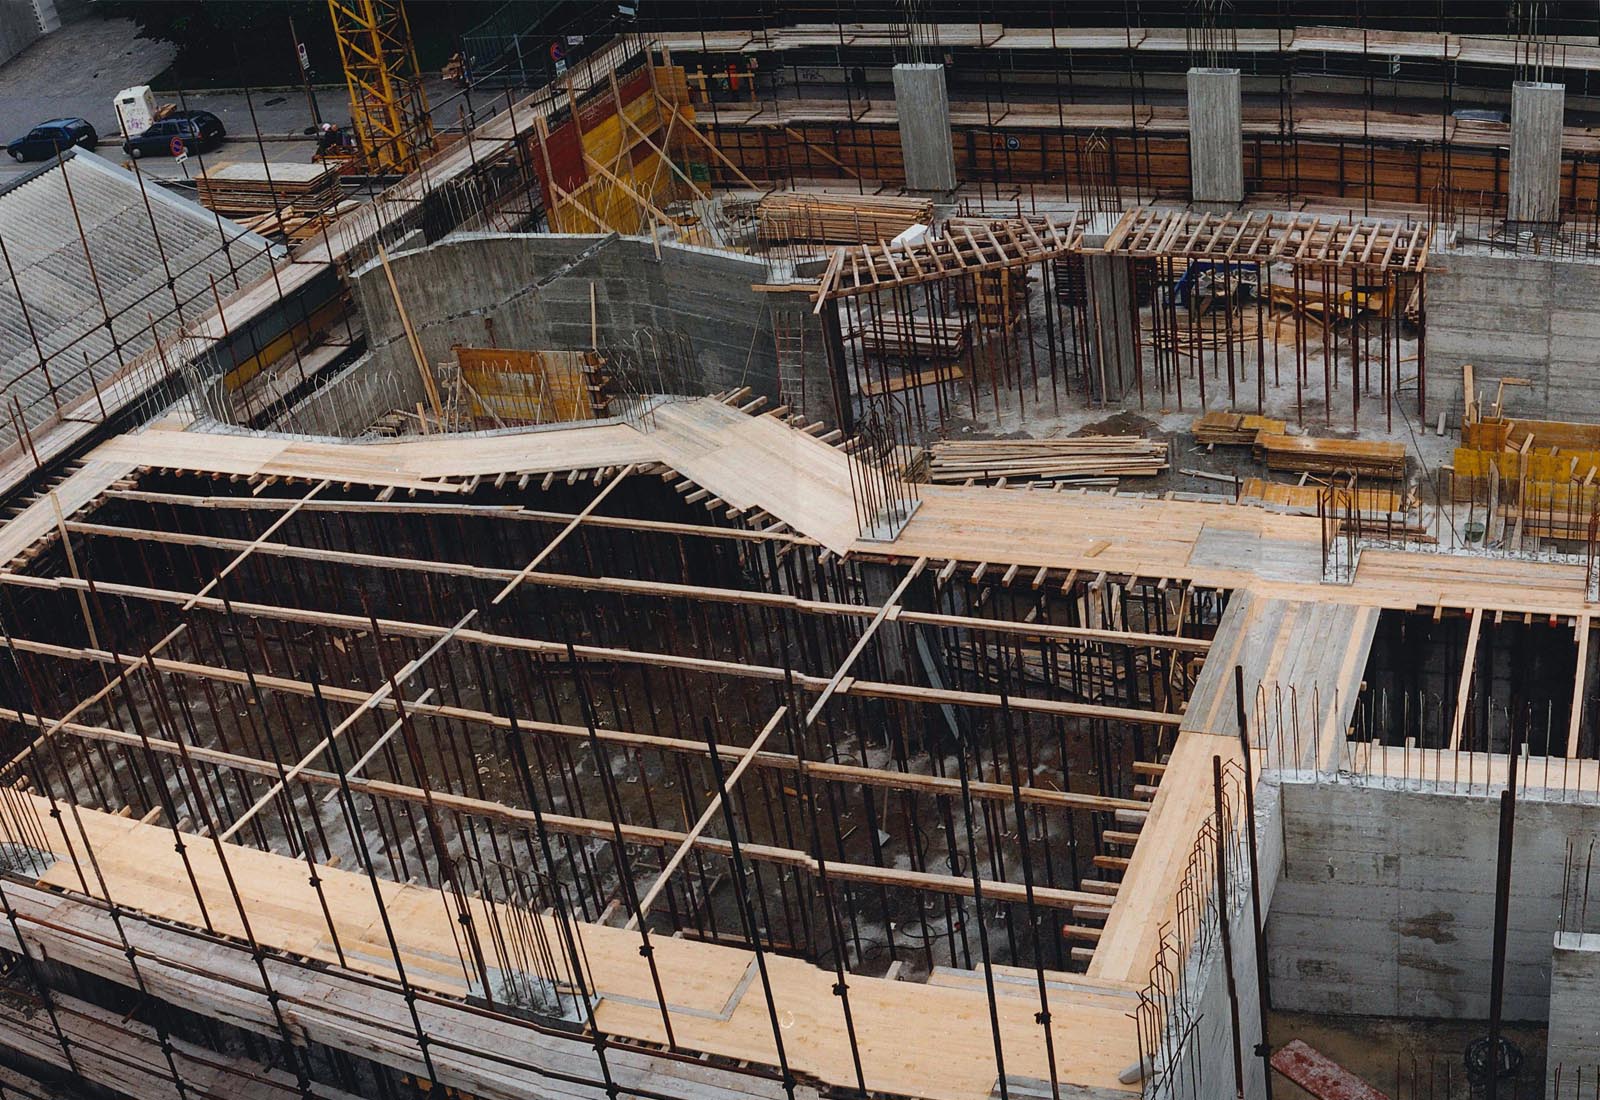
(57, 282)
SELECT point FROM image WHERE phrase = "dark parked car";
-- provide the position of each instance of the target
(200, 132)
(59, 133)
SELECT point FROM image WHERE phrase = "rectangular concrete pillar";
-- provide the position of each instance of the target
(1574, 1036)
(1537, 112)
(1113, 313)
(1216, 136)
(922, 104)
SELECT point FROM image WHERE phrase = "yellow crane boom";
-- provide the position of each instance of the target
(387, 102)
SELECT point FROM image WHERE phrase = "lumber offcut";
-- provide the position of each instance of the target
(986, 460)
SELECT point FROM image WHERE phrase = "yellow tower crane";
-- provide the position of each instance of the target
(387, 103)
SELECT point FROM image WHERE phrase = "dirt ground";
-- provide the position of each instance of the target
(1406, 1059)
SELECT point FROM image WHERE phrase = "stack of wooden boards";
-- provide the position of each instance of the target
(1234, 428)
(1302, 453)
(296, 200)
(1533, 477)
(1092, 456)
(1305, 454)
(807, 217)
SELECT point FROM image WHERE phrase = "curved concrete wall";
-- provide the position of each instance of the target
(533, 291)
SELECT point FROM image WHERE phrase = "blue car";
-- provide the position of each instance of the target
(46, 138)
(199, 131)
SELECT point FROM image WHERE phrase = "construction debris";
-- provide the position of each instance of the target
(988, 460)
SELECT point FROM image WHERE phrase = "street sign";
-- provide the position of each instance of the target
(175, 146)
(305, 58)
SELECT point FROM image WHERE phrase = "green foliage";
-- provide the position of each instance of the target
(228, 45)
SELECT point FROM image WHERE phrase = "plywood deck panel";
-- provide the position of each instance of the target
(760, 463)
(715, 1006)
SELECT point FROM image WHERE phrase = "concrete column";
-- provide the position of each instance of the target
(1113, 313)
(1216, 136)
(1574, 1036)
(1537, 112)
(922, 104)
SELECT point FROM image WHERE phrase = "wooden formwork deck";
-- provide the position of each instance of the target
(1282, 625)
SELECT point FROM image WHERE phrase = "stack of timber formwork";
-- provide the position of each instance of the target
(825, 218)
(990, 460)
(296, 200)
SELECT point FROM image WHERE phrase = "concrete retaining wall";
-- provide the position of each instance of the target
(1518, 317)
(1207, 1070)
(19, 28)
(533, 291)
(1386, 902)
(1574, 1036)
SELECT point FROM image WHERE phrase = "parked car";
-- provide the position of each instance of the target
(200, 132)
(59, 133)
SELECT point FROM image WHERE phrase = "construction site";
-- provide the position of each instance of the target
(813, 554)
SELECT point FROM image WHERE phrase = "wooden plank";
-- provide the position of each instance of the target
(1464, 688)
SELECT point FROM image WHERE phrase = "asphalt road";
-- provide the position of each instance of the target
(79, 69)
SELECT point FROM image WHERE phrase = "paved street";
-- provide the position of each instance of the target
(79, 69)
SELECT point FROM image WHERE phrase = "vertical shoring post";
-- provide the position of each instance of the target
(272, 268)
(1042, 1017)
(1221, 897)
(94, 275)
(161, 250)
(608, 781)
(977, 909)
(564, 922)
(33, 333)
(1263, 981)
(353, 821)
(36, 977)
(797, 746)
(315, 878)
(742, 893)
(113, 909)
(1502, 912)
(164, 715)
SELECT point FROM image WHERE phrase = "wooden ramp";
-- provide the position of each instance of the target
(1299, 657)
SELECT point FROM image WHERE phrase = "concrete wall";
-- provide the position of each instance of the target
(1206, 1069)
(1386, 902)
(1537, 113)
(1574, 1035)
(19, 28)
(922, 104)
(1519, 317)
(1216, 136)
(533, 291)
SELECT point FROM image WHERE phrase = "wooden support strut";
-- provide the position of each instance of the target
(591, 827)
(1032, 631)
(843, 773)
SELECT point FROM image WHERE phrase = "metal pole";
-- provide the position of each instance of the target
(1263, 1048)
(1221, 898)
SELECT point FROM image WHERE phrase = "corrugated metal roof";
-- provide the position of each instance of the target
(52, 284)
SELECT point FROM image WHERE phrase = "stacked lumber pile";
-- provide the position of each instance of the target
(295, 224)
(1234, 428)
(821, 218)
(245, 190)
(1306, 454)
(902, 337)
(988, 460)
